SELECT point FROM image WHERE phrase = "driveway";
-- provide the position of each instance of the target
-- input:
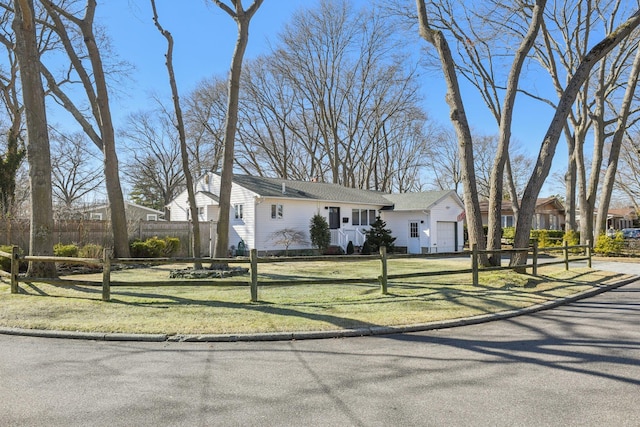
(576, 365)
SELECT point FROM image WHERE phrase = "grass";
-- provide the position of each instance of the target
(224, 308)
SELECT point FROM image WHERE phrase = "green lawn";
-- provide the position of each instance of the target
(223, 308)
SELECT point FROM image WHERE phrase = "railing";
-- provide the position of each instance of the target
(253, 260)
(341, 237)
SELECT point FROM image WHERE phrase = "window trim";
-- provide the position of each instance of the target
(238, 211)
(277, 211)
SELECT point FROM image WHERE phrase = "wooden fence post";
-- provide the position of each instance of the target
(535, 258)
(15, 268)
(474, 264)
(566, 255)
(383, 277)
(253, 257)
(106, 275)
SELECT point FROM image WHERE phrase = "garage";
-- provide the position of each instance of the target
(447, 239)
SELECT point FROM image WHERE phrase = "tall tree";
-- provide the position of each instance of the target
(73, 171)
(38, 153)
(152, 165)
(14, 152)
(242, 18)
(179, 124)
(460, 123)
(92, 76)
(557, 125)
(616, 144)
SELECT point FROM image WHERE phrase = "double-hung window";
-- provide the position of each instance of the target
(277, 211)
(238, 211)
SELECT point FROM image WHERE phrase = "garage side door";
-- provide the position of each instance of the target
(446, 237)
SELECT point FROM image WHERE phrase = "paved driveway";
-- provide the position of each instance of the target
(577, 365)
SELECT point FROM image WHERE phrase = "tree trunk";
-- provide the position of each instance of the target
(242, 18)
(616, 144)
(459, 119)
(497, 173)
(550, 141)
(38, 153)
(195, 223)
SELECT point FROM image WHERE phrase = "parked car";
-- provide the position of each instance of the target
(631, 233)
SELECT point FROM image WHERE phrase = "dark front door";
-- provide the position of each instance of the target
(334, 218)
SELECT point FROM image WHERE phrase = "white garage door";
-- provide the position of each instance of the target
(446, 236)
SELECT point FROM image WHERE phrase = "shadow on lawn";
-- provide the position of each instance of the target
(482, 299)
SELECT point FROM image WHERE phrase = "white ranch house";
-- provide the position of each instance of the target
(421, 222)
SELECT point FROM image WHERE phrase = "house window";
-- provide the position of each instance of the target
(413, 230)
(200, 210)
(277, 211)
(238, 211)
(363, 216)
(95, 215)
(507, 221)
(152, 217)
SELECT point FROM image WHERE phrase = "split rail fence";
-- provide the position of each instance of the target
(569, 254)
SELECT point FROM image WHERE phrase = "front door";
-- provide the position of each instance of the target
(334, 218)
(413, 247)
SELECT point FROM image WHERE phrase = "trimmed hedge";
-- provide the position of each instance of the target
(155, 247)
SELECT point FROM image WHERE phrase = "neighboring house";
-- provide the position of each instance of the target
(133, 213)
(549, 214)
(617, 219)
(421, 222)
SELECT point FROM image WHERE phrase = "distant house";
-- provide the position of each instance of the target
(133, 213)
(421, 222)
(549, 214)
(620, 218)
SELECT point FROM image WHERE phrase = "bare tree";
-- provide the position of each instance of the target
(628, 171)
(339, 89)
(242, 18)
(461, 125)
(616, 144)
(92, 76)
(26, 50)
(557, 125)
(205, 114)
(73, 170)
(14, 152)
(152, 165)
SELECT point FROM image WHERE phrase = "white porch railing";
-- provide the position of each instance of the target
(340, 237)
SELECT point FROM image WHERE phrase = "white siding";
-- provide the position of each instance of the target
(446, 211)
(297, 215)
(398, 223)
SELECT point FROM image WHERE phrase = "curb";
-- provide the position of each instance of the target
(307, 335)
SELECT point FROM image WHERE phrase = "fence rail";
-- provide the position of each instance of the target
(253, 260)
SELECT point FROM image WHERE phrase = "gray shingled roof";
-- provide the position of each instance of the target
(272, 187)
(416, 201)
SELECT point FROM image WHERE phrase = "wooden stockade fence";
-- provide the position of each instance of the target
(253, 260)
(82, 232)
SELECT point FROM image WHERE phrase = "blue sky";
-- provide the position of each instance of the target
(204, 41)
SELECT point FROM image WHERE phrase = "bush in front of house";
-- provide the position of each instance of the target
(155, 247)
(60, 249)
(378, 235)
(350, 248)
(366, 248)
(610, 246)
(319, 233)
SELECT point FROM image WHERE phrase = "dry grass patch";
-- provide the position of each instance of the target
(188, 309)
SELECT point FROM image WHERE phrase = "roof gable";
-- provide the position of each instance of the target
(421, 200)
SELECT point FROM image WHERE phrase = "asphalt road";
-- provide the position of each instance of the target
(576, 365)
